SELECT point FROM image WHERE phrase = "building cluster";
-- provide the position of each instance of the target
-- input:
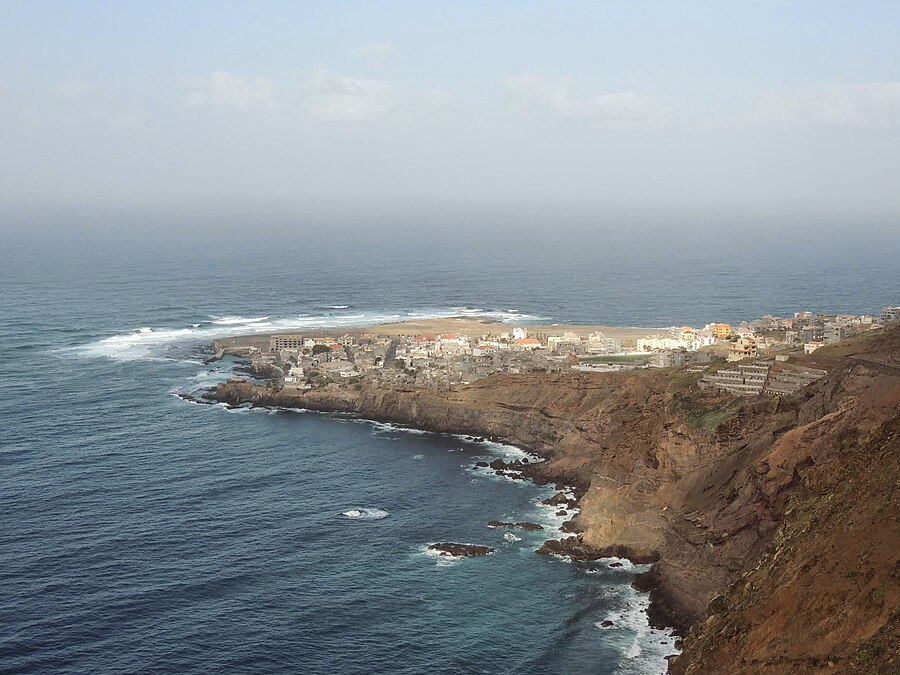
(436, 360)
(810, 330)
(439, 361)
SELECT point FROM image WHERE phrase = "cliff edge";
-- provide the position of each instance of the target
(748, 504)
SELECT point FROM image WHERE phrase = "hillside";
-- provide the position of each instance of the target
(713, 487)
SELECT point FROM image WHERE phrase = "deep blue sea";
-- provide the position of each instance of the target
(143, 533)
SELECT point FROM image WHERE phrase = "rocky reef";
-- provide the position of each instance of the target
(722, 495)
(453, 550)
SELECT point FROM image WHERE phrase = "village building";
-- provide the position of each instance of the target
(744, 348)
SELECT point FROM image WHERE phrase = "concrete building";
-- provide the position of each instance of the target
(810, 347)
(279, 342)
(835, 332)
(745, 348)
(889, 314)
(668, 358)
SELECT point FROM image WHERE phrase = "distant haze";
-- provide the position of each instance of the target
(769, 116)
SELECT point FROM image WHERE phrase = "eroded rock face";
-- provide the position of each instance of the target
(576, 549)
(454, 550)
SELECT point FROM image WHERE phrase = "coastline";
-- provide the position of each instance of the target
(654, 481)
(665, 610)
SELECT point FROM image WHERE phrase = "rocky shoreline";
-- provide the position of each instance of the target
(663, 613)
(697, 484)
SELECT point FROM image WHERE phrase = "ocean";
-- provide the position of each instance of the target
(144, 533)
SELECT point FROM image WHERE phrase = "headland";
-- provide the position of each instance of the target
(744, 497)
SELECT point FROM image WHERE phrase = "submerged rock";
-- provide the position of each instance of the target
(460, 550)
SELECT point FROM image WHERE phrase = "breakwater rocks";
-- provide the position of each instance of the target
(661, 469)
(452, 550)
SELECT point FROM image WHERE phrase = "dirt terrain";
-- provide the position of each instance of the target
(774, 520)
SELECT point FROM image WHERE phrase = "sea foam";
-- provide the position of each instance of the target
(365, 514)
(147, 342)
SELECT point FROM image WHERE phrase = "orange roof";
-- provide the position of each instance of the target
(527, 341)
(449, 336)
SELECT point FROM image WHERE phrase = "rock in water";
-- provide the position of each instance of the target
(460, 550)
(523, 525)
(556, 500)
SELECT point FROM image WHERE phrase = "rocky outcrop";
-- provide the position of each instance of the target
(698, 481)
(453, 550)
(523, 525)
(576, 549)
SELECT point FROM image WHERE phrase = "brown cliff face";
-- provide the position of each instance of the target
(706, 482)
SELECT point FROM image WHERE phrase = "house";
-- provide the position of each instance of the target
(835, 332)
(527, 343)
(668, 358)
(744, 348)
(720, 330)
(810, 347)
(889, 314)
(519, 333)
(483, 350)
(812, 334)
(705, 339)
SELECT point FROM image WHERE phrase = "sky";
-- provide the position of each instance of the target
(658, 114)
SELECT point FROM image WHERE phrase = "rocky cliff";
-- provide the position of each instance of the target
(717, 489)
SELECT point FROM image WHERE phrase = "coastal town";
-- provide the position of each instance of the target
(750, 358)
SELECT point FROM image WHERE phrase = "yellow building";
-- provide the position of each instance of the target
(721, 330)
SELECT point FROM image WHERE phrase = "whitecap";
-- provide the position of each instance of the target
(643, 647)
(146, 342)
(235, 320)
(365, 514)
(510, 537)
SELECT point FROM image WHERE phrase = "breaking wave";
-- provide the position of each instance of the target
(365, 514)
(146, 343)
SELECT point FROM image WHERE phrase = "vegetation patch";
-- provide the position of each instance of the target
(703, 413)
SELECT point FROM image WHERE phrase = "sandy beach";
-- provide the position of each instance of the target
(471, 326)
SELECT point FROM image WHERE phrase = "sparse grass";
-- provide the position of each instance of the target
(703, 414)
(682, 381)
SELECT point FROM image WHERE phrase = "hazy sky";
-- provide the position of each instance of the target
(594, 110)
